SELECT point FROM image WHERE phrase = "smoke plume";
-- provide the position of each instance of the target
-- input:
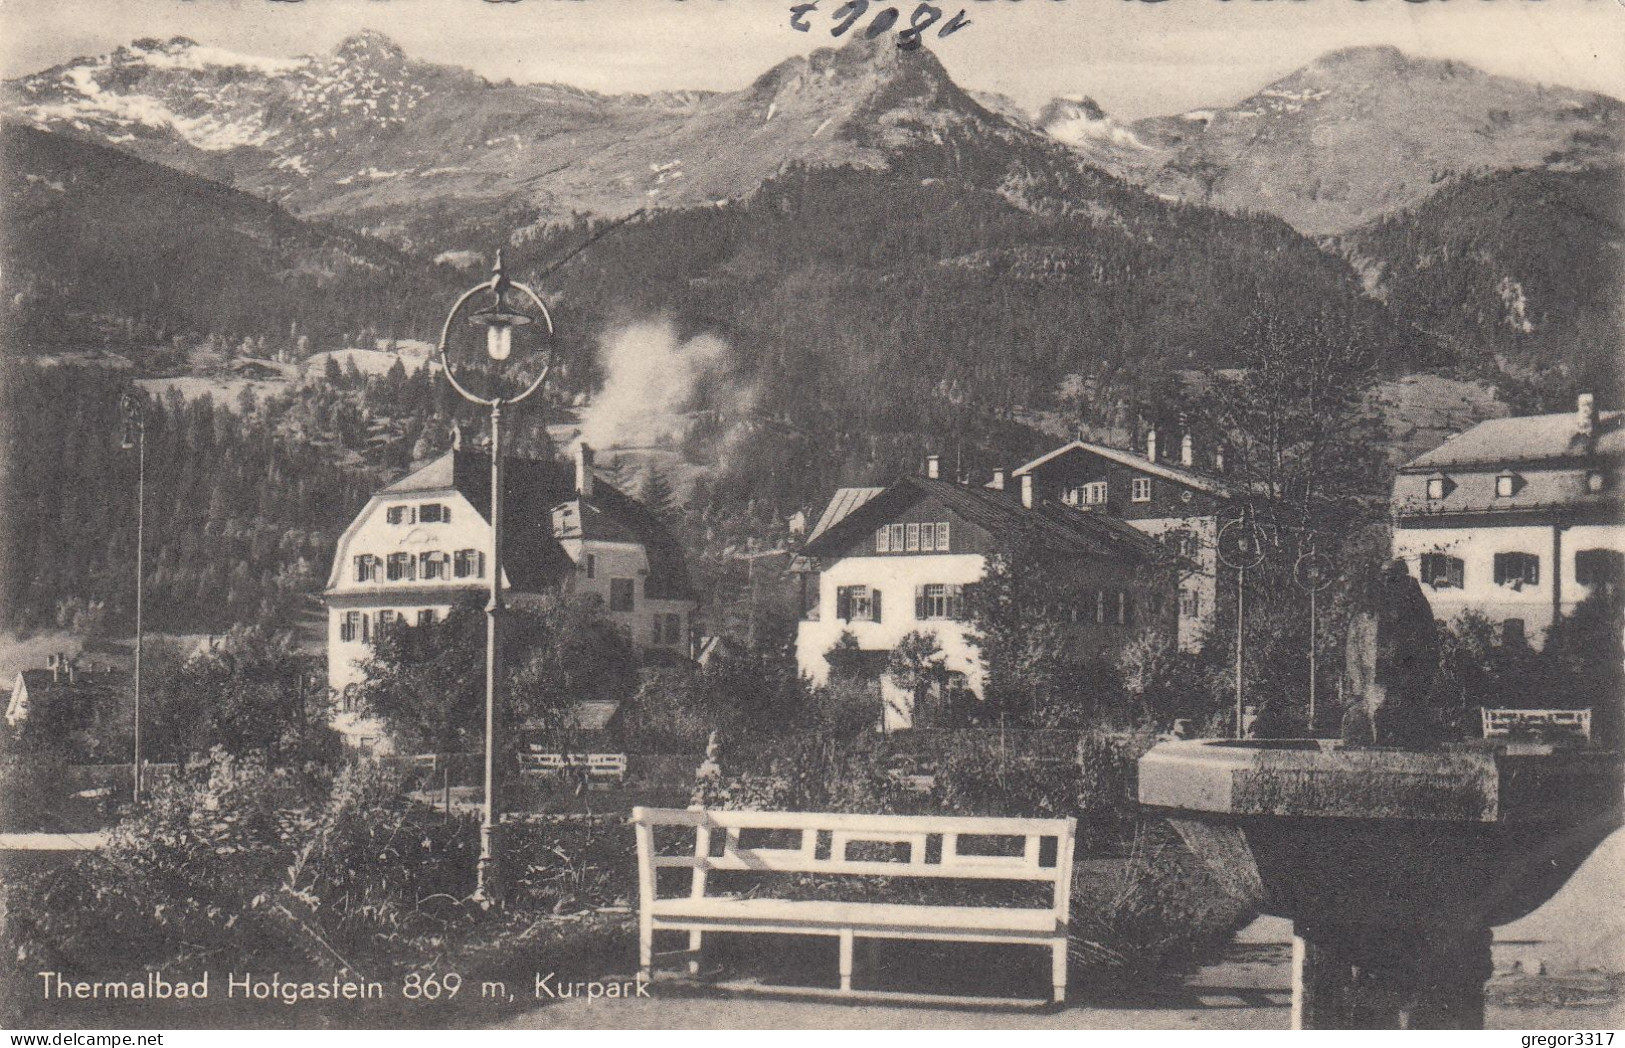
(658, 388)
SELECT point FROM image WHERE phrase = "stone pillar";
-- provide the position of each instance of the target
(1353, 978)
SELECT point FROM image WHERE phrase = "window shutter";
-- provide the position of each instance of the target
(1458, 573)
(479, 564)
(361, 569)
(874, 605)
(843, 603)
(883, 539)
(956, 599)
(919, 602)
(445, 514)
(1531, 569)
(366, 632)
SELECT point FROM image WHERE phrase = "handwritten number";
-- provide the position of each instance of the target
(883, 21)
(924, 17)
(852, 10)
(798, 16)
(955, 24)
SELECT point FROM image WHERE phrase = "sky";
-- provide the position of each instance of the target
(1136, 58)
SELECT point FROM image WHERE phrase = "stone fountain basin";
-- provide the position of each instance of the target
(1471, 836)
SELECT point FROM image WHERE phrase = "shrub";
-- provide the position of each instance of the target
(1155, 912)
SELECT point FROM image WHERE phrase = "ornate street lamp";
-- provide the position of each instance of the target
(134, 435)
(499, 320)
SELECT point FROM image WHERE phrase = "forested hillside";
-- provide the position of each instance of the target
(1518, 271)
(104, 250)
(867, 341)
(243, 504)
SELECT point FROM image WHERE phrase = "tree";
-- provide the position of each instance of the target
(656, 494)
(916, 666)
(1022, 614)
(427, 681)
(252, 692)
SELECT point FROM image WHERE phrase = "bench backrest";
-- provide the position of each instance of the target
(1502, 723)
(821, 843)
(595, 763)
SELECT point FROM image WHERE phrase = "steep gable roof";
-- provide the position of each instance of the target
(1178, 474)
(533, 489)
(1052, 527)
(842, 503)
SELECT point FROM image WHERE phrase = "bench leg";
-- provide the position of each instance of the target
(1057, 964)
(646, 949)
(846, 959)
(695, 941)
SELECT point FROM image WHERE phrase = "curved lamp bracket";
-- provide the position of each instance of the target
(445, 336)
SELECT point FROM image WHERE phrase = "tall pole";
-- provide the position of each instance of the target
(488, 885)
(1241, 608)
(1312, 637)
(140, 573)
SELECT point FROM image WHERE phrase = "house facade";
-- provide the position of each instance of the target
(1175, 502)
(1516, 519)
(421, 546)
(882, 563)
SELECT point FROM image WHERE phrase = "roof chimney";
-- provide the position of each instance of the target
(1586, 410)
(584, 477)
(1027, 490)
(73, 671)
(1218, 459)
(1151, 445)
(1186, 449)
(997, 483)
(54, 664)
(933, 466)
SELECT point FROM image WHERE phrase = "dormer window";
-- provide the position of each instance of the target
(1439, 486)
(1507, 485)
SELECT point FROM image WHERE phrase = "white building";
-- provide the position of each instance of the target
(1518, 519)
(887, 562)
(420, 545)
(1173, 501)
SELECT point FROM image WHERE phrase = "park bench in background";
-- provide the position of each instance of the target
(1501, 724)
(941, 847)
(600, 767)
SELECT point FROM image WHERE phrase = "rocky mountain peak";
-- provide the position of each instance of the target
(369, 45)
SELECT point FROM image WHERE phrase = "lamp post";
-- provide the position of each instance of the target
(499, 321)
(1312, 573)
(1240, 547)
(133, 405)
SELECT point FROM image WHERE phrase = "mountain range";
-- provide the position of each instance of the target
(390, 145)
(1356, 150)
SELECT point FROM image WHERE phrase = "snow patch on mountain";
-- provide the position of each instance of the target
(1077, 120)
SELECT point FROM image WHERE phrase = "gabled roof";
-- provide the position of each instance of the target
(1052, 527)
(1179, 474)
(843, 502)
(533, 559)
(1529, 438)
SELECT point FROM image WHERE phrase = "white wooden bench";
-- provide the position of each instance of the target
(599, 766)
(1503, 723)
(820, 843)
